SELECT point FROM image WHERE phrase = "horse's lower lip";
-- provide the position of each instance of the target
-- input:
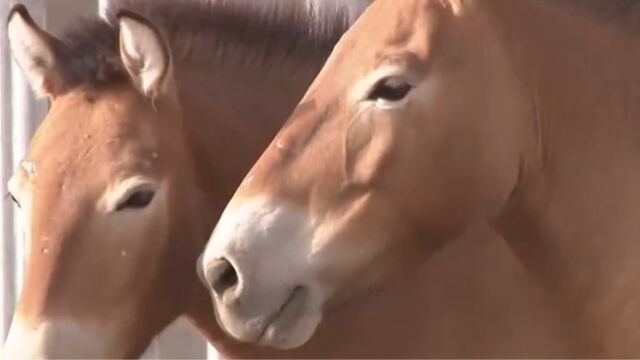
(287, 313)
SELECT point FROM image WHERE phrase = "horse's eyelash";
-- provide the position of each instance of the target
(9, 196)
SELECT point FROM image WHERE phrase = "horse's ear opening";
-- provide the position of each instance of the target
(35, 52)
(145, 54)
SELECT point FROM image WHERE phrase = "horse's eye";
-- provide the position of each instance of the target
(13, 198)
(392, 89)
(138, 200)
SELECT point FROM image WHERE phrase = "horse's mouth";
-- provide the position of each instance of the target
(286, 317)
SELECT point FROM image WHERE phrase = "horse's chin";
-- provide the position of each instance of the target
(290, 325)
(294, 324)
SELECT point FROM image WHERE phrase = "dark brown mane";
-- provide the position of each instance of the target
(624, 13)
(248, 32)
(237, 32)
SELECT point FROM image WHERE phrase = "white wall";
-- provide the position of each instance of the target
(19, 115)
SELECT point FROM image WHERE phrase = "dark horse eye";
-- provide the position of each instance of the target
(392, 88)
(138, 200)
(13, 198)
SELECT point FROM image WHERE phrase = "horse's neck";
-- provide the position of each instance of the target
(573, 219)
(231, 115)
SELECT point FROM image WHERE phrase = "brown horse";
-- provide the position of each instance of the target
(431, 116)
(150, 130)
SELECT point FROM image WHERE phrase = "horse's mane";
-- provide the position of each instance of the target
(236, 32)
(622, 13)
(249, 32)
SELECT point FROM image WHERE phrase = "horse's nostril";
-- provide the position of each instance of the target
(221, 276)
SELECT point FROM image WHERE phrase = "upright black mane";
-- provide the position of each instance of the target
(248, 32)
(623, 13)
(237, 32)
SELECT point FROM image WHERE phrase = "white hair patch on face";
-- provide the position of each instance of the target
(59, 338)
(267, 242)
(120, 190)
(362, 88)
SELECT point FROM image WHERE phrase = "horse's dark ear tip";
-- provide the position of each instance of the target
(132, 15)
(124, 13)
(19, 9)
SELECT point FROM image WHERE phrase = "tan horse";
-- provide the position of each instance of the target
(431, 116)
(150, 131)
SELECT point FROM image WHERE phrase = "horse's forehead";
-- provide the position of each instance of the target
(88, 131)
(389, 26)
(100, 116)
(405, 37)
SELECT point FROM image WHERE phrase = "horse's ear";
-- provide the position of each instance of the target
(145, 54)
(35, 51)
